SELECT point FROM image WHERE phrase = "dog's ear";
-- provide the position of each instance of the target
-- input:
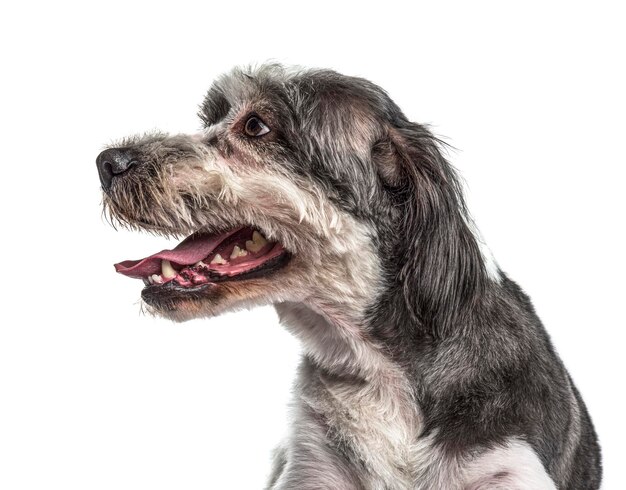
(387, 158)
(442, 271)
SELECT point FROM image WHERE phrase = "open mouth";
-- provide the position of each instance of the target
(203, 259)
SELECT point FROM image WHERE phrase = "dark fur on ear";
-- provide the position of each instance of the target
(442, 270)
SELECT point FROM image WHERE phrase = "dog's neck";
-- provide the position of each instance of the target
(333, 340)
(361, 394)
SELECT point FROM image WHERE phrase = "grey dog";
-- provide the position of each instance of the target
(424, 366)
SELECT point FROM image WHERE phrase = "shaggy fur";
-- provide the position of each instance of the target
(424, 365)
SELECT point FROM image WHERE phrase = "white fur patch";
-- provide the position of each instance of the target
(512, 467)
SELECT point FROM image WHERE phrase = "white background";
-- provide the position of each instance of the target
(95, 396)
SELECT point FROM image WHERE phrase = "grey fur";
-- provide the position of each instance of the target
(424, 365)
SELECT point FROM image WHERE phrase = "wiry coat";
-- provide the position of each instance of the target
(424, 366)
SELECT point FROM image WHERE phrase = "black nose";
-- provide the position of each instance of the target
(112, 162)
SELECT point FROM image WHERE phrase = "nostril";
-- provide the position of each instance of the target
(105, 172)
(107, 167)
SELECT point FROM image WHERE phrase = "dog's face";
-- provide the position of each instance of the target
(274, 194)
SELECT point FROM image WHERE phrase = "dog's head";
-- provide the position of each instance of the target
(304, 186)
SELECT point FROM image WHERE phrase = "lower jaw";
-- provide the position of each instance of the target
(171, 294)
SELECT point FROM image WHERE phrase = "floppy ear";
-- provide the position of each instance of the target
(442, 271)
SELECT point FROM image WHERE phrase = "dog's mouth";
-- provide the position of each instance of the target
(203, 259)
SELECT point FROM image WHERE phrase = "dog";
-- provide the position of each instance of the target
(424, 365)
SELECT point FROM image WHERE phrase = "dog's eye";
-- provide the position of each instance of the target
(255, 127)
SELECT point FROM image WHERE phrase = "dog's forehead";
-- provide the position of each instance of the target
(242, 85)
(320, 98)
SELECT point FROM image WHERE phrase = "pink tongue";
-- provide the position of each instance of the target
(188, 252)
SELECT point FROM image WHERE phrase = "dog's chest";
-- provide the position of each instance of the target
(375, 422)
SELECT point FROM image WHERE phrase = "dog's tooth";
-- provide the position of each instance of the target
(167, 270)
(257, 243)
(150, 280)
(258, 238)
(218, 260)
(156, 279)
(200, 263)
(237, 252)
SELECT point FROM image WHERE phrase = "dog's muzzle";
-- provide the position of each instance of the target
(112, 163)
